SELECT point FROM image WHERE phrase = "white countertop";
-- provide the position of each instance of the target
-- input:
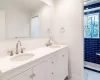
(6, 64)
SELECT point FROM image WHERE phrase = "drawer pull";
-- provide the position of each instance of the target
(33, 75)
(52, 73)
(52, 62)
(63, 55)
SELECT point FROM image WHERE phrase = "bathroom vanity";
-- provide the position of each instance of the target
(46, 63)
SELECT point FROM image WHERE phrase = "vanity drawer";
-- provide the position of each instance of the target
(52, 61)
(52, 67)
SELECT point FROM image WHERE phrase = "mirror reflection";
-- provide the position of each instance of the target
(24, 19)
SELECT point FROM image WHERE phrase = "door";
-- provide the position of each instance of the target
(40, 71)
(27, 75)
(35, 27)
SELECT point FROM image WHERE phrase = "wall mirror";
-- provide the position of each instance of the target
(25, 19)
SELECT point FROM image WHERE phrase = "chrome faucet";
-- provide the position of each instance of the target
(49, 42)
(17, 49)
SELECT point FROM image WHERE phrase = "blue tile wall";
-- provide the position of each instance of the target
(92, 6)
(92, 45)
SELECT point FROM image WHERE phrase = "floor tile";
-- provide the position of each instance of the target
(91, 75)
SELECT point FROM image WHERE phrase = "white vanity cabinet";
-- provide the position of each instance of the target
(58, 65)
(51, 67)
(38, 72)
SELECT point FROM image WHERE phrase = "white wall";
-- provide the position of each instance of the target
(69, 15)
(17, 20)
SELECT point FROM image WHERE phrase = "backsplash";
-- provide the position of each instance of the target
(28, 44)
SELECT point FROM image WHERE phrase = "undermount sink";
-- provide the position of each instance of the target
(54, 46)
(22, 57)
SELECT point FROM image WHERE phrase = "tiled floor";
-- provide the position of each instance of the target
(91, 75)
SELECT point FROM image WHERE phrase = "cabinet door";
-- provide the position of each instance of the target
(40, 71)
(52, 68)
(62, 64)
(23, 76)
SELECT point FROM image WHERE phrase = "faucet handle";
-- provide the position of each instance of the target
(22, 50)
(11, 53)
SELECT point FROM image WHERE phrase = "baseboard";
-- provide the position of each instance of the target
(92, 66)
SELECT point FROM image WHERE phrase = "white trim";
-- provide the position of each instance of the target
(93, 9)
